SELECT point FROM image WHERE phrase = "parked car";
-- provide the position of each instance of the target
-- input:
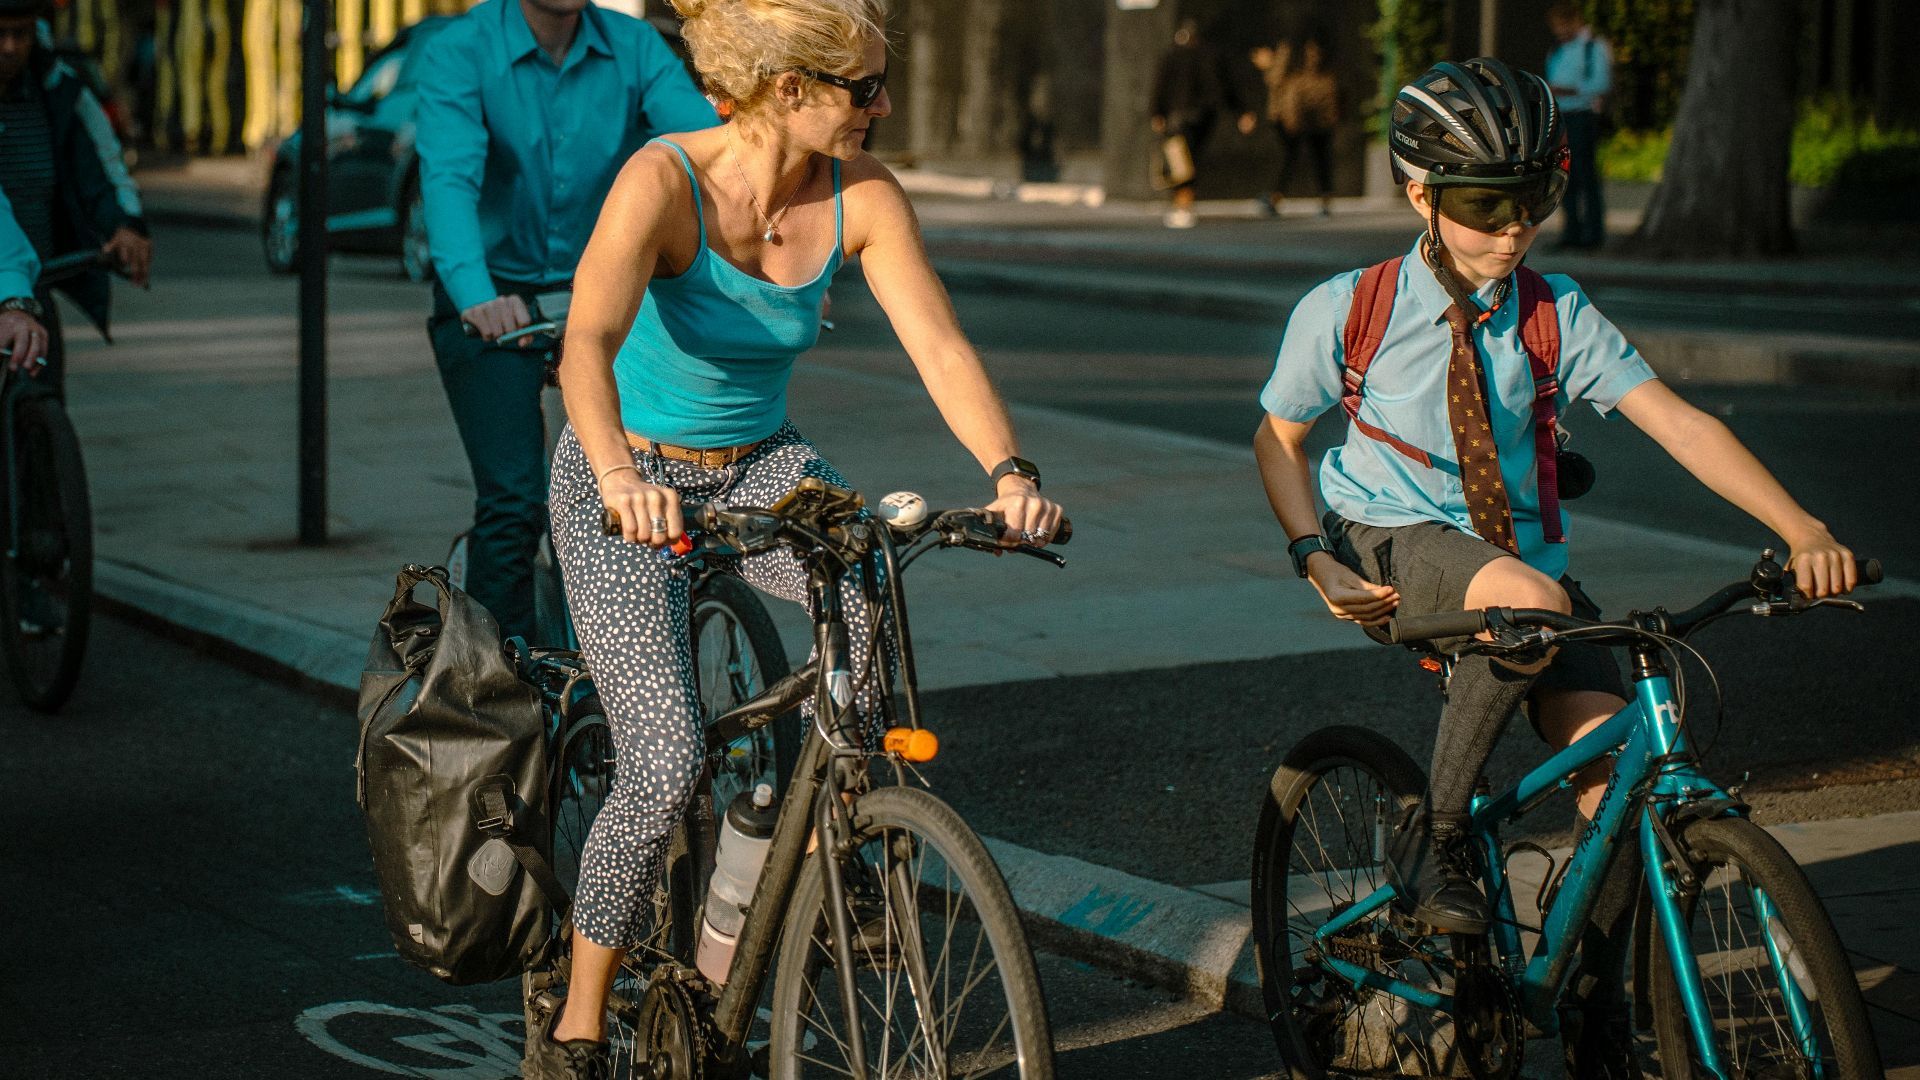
(373, 172)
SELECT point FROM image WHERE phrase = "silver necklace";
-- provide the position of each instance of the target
(772, 223)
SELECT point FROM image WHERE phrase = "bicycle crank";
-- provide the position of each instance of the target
(670, 1031)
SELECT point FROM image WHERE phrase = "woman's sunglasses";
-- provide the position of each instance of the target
(863, 90)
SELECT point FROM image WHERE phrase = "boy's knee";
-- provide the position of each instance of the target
(1513, 584)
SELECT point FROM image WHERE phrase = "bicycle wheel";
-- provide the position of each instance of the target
(1756, 925)
(736, 654)
(46, 585)
(1320, 848)
(944, 979)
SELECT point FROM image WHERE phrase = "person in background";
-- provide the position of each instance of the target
(528, 110)
(1580, 71)
(63, 170)
(1189, 91)
(1303, 105)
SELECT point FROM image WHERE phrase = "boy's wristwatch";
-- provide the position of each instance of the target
(1300, 549)
(25, 304)
(1017, 466)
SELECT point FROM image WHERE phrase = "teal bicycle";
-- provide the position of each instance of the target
(1739, 966)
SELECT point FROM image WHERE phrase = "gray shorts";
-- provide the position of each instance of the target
(1431, 565)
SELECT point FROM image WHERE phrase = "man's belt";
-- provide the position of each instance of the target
(715, 458)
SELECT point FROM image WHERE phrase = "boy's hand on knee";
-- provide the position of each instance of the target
(1821, 565)
(1348, 595)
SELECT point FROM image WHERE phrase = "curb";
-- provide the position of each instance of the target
(1175, 938)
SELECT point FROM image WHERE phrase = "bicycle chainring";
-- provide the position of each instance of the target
(1488, 1029)
(669, 1031)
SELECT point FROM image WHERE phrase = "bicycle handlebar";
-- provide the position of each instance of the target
(752, 529)
(1774, 587)
(72, 265)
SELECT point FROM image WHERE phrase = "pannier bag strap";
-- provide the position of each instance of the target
(494, 800)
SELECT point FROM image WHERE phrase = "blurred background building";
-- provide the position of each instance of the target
(1030, 89)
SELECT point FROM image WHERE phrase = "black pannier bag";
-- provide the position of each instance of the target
(453, 782)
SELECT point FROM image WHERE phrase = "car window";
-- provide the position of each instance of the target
(379, 78)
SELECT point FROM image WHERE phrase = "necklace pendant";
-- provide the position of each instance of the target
(767, 236)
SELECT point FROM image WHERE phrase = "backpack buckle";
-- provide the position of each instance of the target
(492, 806)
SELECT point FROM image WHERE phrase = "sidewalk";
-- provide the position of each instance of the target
(192, 507)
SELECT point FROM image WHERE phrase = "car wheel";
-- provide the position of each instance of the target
(415, 257)
(280, 225)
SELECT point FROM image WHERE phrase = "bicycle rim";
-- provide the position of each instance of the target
(1757, 929)
(46, 582)
(1321, 849)
(944, 981)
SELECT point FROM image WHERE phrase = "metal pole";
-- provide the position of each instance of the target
(1489, 27)
(314, 81)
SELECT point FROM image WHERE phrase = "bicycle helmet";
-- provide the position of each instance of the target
(1477, 122)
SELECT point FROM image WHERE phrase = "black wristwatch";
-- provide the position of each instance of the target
(1300, 549)
(25, 304)
(1017, 466)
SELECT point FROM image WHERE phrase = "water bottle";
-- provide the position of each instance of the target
(746, 832)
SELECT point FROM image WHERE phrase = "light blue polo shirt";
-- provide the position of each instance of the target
(19, 266)
(1368, 481)
(517, 153)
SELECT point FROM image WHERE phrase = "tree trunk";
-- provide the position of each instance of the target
(1724, 191)
(1135, 40)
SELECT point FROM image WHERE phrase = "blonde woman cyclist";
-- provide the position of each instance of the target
(700, 287)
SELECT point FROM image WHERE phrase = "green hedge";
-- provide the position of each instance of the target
(1834, 144)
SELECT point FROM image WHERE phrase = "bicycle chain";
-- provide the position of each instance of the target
(671, 1030)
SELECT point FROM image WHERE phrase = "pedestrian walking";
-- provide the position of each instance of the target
(528, 109)
(1303, 107)
(1580, 70)
(63, 172)
(699, 290)
(1189, 92)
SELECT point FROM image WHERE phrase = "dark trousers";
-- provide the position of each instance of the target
(1297, 143)
(1584, 208)
(495, 395)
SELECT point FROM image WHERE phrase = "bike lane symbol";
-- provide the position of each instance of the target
(475, 1045)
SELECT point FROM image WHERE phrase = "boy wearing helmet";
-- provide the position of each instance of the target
(1445, 494)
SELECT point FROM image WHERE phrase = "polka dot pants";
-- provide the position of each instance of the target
(631, 612)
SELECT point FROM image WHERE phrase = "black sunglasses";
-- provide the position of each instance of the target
(862, 90)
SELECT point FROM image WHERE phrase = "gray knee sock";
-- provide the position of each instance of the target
(1481, 696)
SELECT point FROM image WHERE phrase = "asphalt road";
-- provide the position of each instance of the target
(190, 895)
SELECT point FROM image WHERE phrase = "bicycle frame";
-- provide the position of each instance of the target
(1650, 772)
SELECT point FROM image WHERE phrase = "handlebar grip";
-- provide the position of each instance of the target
(1065, 534)
(1445, 624)
(694, 515)
(1869, 570)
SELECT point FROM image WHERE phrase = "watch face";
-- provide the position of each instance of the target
(1026, 466)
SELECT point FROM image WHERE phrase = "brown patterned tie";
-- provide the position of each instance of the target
(1473, 439)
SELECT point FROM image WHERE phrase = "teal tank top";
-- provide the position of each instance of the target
(707, 361)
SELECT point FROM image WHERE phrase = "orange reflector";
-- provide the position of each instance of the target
(1430, 663)
(912, 744)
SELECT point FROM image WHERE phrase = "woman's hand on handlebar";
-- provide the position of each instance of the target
(1822, 566)
(497, 318)
(649, 513)
(1348, 595)
(1028, 517)
(132, 254)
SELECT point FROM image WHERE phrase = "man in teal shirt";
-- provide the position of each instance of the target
(528, 109)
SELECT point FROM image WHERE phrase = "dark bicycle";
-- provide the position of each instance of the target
(1743, 974)
(46, 574)
(893, 943)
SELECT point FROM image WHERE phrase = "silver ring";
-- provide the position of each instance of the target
(659, 524)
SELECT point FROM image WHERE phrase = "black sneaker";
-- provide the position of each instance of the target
(1598, 1043)
(575, 1059)
(1430, 867)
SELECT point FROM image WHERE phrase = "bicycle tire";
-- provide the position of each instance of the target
(737, 652)
(1733, 856)
(48, 583)
(970, 902)
(1322, 1028)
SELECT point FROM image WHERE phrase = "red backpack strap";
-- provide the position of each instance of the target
(1366, 327)
(1540, 335)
